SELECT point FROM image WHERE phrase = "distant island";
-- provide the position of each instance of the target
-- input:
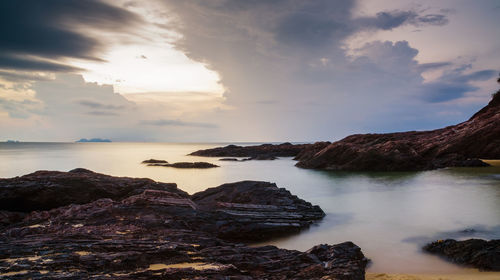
(12, 141)
(93, 140)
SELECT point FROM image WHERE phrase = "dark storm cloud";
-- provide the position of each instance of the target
(483, 75)
(164, 122)
(15, 62)
(388, 20)
(47, 29)
(310, 30)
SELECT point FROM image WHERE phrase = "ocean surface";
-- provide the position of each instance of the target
(389, 215)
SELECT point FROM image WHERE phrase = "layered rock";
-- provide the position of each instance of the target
(256, 210)
(478, 253)
(264, 151)
(459, 145)
(43, 190)
(167, 234)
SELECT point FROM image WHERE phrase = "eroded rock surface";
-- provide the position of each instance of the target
(478, 253)
(44, 190)
(459, 145)
(167, 234)
(256, 210)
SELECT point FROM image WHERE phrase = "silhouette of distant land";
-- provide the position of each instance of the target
(93, 140)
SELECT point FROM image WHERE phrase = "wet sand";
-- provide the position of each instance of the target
(473, 275)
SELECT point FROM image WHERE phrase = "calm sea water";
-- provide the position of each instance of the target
(389, 215)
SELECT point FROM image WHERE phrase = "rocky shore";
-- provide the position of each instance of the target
(477, 253)
(81, 224)
(461, 145)
(260, 152)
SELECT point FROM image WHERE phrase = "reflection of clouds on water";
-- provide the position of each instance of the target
(474, 231)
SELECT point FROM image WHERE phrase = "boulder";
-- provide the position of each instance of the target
(478, 253)
(44, 190)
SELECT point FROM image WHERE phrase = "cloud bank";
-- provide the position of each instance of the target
(289, 68)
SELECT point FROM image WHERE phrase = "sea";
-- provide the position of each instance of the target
(390, 215)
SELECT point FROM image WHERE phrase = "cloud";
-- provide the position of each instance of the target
(19, 109)
(454, 84)
(55, 29)
(17, 76)
(98, 105)
(33, 64)
(287, 67)
(432, 66)
(295, 52)
(388, 20)
(179, 123)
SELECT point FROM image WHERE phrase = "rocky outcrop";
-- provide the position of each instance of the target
(167, 234)
(44, 190)
(459, 145)
(198, 164)
(478, 253)
(153, 161)
(256, 210)
(264, 151)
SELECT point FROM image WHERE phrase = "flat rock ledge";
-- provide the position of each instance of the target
(477, 253)
(158, 233)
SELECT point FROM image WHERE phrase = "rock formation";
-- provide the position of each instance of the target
(478, 253)
(44, 190)
(152, 161)
(158, 232)
(459, 145)
(198, 164)
(264, 151)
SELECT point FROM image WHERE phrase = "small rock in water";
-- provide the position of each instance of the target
(478, 253)
(154, 161)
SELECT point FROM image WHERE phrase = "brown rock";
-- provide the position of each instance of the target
(478, 253)
(459, 145)
(167, 234)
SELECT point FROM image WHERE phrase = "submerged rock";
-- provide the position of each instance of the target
(229, 159)
(454, 146)
(198, 164)
(167, 234)
(478, 253)
(153, 161)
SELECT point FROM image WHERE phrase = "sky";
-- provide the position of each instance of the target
(242, 70)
